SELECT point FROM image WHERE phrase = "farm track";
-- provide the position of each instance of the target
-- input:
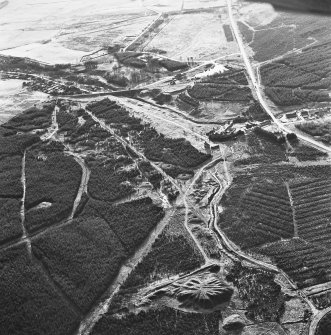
(228, 247)
(84, 181)
(102, 307)
(27, 238)
(144, 31)
(130, 105)
(129, 145)
(25, 234)
(178, 112)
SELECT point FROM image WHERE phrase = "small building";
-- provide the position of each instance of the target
(291, 116)
(305, 114)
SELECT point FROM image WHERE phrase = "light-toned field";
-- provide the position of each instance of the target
(64, 30)
(197, 35)
(256, 14)
(104, 30)
(14, 99)
(171, 5)
(168, 122)
(50, 52)
(189, 4)
(220, 111)
(49, 30)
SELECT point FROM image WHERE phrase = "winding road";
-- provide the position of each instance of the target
(83, 184)
(25, 235)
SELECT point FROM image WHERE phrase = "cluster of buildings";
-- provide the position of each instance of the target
(305, 114)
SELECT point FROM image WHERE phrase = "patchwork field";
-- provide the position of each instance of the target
(63, 31)
(151, 191)
(201, 36)
(13, 98)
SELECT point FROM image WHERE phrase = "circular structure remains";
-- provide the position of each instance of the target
(203, 292)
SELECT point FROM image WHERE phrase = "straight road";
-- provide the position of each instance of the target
(317, 315)
(258, 89)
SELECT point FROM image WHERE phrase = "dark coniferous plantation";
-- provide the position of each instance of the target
(173, 175)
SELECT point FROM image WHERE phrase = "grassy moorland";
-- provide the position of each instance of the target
(260, 149)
